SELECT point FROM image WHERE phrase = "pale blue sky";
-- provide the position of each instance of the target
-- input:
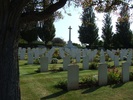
(74, 21)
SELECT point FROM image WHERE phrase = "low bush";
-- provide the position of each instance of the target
(54, 61)
(93, 66)
(89, 81)
(60, 69)
(131, 76)
(114, 76)
(36, 61)
(62, 84)
(96, 59)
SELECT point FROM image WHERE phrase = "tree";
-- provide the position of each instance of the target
(29, 35)
(107, 34)
(11, 15)
(47, 30)
(88, 31)
(123, 32)
(58, 42)
(116, 43)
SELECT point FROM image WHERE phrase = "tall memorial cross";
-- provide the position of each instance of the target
(69, 33)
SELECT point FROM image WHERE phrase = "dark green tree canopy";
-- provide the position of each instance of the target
(123, 32)
(58, 42)
(47, 30)
(107, 34)
(29, 35)
(88, 31)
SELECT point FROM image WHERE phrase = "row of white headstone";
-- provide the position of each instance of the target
(87, 58)
(87, 55)
(73, 75)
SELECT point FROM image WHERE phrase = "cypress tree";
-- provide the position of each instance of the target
(88, 31)
(107, 34)
(124, 34)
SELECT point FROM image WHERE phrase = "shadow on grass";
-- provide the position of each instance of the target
(54, 95)
(117, 85)
(29, 74)
(89, 90)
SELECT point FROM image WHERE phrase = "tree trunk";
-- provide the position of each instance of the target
(9, 68)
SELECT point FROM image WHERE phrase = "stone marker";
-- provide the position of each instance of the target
(22, 54)
(73, 77)
(61, 53)
(102, 74)
(44, 64)
(30, 57)
(125, 72)
(116, 61)
(85, 62)
(36, 53)
(66, 62)
(102, 59)
(129, 57)
(19, 51)
(78, 57)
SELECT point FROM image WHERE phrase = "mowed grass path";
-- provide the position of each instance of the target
(40, 86)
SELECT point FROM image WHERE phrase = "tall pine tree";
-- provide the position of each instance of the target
(107, 34)
(46, 30)
(124, 34)
(88, 31)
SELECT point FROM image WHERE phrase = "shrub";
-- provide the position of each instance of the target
(114, 76)
(36, 61)
(110, 67)
(131, 63)
(131, 76)
(107, 58)
(93, 66)
(96, 59)
(125, 58)
(62, 84)
(60, 69)
(54, 61)
(56, 54)
(88, 81)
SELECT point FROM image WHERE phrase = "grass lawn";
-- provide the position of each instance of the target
(40, 86)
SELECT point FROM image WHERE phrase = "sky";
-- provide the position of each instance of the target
(74, 21)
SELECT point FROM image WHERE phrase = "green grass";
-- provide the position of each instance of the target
(40, 86)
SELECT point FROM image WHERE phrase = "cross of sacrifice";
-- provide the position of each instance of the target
(69, 33)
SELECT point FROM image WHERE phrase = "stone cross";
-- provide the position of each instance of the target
(69, 33)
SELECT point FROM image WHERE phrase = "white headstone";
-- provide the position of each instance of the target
(102, 57)
(44, 64)
(129, 57)
(61, 53)
(49, 55)
(78, 55)
(73, 77)
(125, 72)
(30, 56)
(36, 53)
(102, 74)
(22, 54)
(85, 62)
(116, 61)
(66, 62)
